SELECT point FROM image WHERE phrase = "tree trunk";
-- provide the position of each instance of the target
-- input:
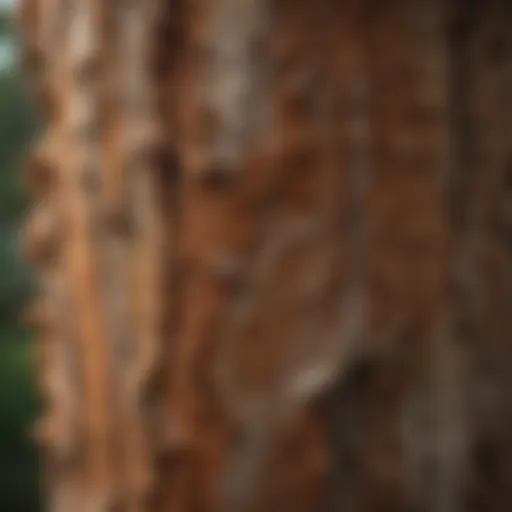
(274, 243)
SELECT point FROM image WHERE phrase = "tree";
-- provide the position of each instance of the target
(275, 243)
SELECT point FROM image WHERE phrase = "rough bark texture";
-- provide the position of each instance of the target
(274, 241)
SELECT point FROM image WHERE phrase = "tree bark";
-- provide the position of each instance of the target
(273, 239)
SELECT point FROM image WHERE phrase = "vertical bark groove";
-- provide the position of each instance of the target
(273, 239)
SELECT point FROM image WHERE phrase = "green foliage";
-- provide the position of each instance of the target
(19, 485)
(17, 126)
(7, 23)
(18, 468)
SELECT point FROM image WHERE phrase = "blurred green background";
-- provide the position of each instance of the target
(19, 474)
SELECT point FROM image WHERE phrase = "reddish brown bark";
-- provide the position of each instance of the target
(273, 238)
